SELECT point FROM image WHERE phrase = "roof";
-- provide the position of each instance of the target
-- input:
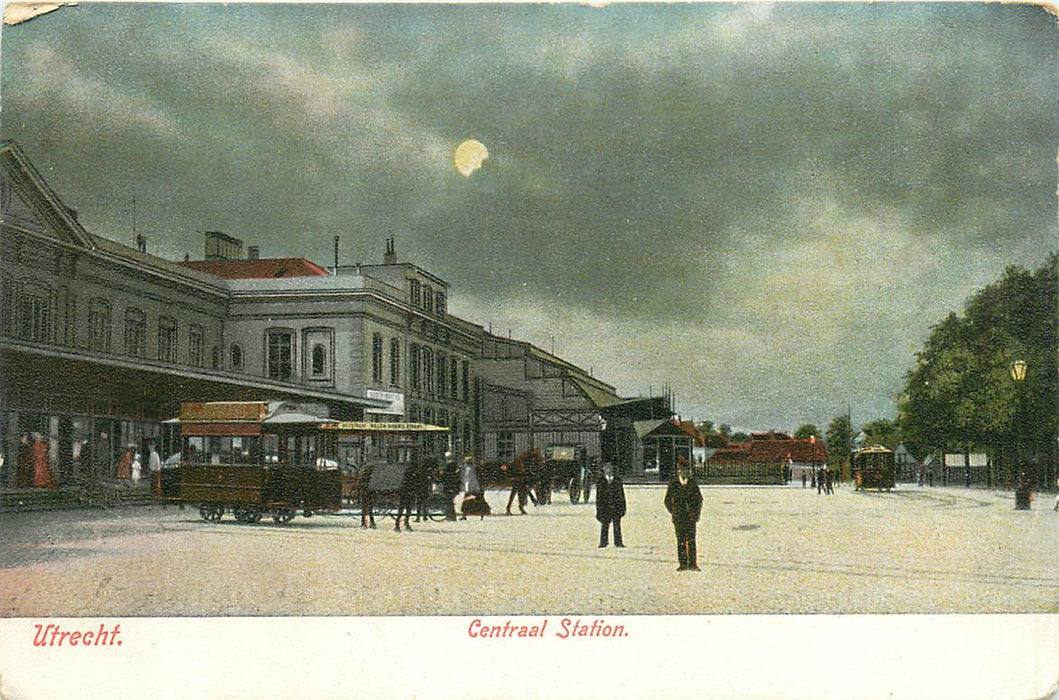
(262, 268)
(600, 398)
(659, 427)
(774, 449)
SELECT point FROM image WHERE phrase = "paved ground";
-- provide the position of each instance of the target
(762, 550)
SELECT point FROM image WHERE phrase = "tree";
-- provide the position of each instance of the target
(738, 437)
(960, 393)
(806, 431)
(882, 431)
(839, 441)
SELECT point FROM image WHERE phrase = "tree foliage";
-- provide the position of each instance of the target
(960, 393)
(839, 440)
(807, 431)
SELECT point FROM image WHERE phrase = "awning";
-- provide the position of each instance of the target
(220, 429)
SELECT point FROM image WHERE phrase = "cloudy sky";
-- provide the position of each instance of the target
(765, 206)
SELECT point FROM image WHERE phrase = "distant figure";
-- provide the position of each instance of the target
(803, 479)
(406, 496)
(474, 502)
(593, 473)
(516, 473)
(610, 506)
(24, 463)
(367, 511)
(424, 483)
(683, 500)
(450, 484)
(820, 482)
(123, 470)
(42, 477)
(135, 468)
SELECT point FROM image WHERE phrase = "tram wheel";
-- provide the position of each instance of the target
(247, 515)
(211, 513)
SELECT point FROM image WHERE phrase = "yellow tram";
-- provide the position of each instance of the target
(873, 468)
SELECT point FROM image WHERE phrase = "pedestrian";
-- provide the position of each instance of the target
(803, 479)
(610, 505)
(828, 488)
(42, 476)
(123, 470)
(474, 502)
(406, 496)
(450, 484)
(820, 482)
(24, 463)
(516, 473)
(930, 477)
(367, 497)
(135, 468)
(593, 474)
(544, 483)
(424, 484)
(154, 463)
(1056, 506)
(683, 500)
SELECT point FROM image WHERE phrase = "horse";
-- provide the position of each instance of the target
(523, 471)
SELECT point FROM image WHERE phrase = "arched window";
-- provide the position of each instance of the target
(236, 358)
(319, 359)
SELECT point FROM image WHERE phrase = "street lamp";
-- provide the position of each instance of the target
(1022, 487)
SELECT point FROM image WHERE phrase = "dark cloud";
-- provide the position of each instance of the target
(687, 193)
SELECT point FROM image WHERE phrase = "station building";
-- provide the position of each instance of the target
(101, 342)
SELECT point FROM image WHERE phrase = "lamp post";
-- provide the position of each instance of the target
(1022, 487)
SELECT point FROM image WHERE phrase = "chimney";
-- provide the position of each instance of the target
(391, 255)
(253, 252)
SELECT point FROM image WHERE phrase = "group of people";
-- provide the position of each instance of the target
(32, 470)
(683, 499)
(414, 485)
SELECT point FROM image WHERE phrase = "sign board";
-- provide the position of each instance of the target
(396, 399)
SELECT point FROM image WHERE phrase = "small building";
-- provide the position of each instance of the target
(767, 457)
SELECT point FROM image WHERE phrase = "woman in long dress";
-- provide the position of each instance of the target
(42, 478)
(124, 469)
(474, 502)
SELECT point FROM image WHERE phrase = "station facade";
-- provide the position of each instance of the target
(100, 343)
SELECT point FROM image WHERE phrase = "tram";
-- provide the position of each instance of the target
(873, 468)
(255, 459)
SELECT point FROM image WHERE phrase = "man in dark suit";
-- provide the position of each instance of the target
(610, 505)
(684, 502)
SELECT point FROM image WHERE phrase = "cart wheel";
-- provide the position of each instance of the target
(245, 515)
(211, 513)
(282, 517)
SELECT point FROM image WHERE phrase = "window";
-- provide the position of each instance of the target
(413, 366)
(35, 315)
(466, 382)
(439, 303)
(319, 360)
(443, 370)
(99, 325)
(196, 345)
(215, 357)
(376, 358)
(395, 362)
(416, 293)
(505, 446)
(235, 358)
(454, 379)
(428, 370)
(428, 299)
(167, 339)
(135, 333)
(279, 359)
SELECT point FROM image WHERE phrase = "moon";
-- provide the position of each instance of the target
(469, 156)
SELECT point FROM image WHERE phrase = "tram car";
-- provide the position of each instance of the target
(873, 468)
(254, 459)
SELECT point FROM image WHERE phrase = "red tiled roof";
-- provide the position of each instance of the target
(258, 269)
(772, 449)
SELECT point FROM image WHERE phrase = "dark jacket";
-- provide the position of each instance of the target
(450, 478)
(610, 500)
(684, 501)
